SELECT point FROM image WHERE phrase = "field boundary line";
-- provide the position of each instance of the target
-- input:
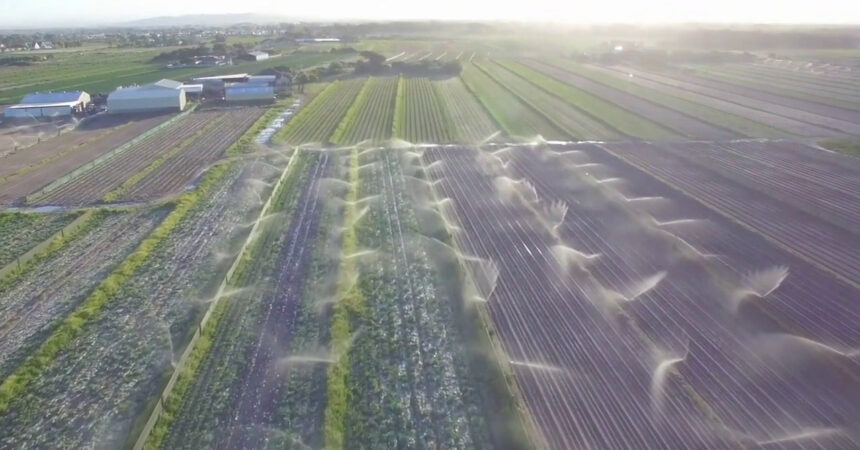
(109, 155)
(66, 233)
(180, 365)
(445, 111)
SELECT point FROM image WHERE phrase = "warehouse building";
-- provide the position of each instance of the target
(49, 105)
(164, 95)
(249, 92)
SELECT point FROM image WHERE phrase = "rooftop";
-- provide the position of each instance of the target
(42, 105)
(52, 97)
(222, 77)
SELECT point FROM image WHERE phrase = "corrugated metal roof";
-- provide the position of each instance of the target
(52, 97)
(221, 77)
(164, 83)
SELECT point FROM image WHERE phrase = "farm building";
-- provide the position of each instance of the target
(164, 95)
(249, 92)
(280, 80)
(193, 90)
(49, 104)
(256, 56)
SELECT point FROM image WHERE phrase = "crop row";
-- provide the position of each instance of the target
(806, 235)
(57, 158)
(795, 121)
(96, 182)
(470, 120)
(726, 346)
(626, 122)
(516, 118)
(725, 125)
(767, 92)
(317, 121)
(801, 91)
(173, 175)
(562, 115)
(420, 115)
(375, 114)
(584, 378)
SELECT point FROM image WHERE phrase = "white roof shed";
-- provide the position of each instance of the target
(56, 97)
(163, 95)
(34, 110)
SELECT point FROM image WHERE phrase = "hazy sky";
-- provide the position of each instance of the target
(35, 13)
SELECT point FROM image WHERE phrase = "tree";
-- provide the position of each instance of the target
(300, 81)
(373, 58)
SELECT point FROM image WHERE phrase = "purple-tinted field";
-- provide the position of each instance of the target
(639, 318)
(812, 213)
(796, 121)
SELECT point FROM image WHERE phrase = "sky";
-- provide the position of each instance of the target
(40, 13)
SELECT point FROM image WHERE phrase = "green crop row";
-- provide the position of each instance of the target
(349, 300)
(317, 121)
(399, 108)
(349, 119)
(516, 118)
(613, 115)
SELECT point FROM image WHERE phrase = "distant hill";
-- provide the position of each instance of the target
(210, 20)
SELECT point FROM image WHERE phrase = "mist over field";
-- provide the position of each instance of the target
(522, 226)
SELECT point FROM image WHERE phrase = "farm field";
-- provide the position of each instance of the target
(574, 122)
(21, 232)
(317, 122)
(472, 122)
(516, 118)
(419, 115)
(492, 243)
(794, 121)
(371, 116)
(32, 168)
(625, 290)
